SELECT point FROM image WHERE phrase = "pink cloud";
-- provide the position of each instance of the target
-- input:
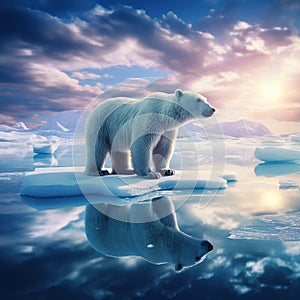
(230, 68)
(85, 75)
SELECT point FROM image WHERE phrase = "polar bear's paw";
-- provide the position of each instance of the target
(103, 173)
(153, 175)
(167, 172)
(96, 172)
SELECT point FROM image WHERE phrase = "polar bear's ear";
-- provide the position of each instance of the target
(178, 94)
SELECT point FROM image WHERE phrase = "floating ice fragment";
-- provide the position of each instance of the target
(48, 147)
(230, 177)
(288, 184)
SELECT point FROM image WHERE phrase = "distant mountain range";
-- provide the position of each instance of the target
(66, 121)
(237, 129)
(62, 121)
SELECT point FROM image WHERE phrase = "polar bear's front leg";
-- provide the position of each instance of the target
(121, 163)
(163, 152)
(96, 151)
(141, 153)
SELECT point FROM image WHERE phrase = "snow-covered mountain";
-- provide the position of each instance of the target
(237, 129)
(20, 126)
(244, 128)
(63, 121)
(66, 121)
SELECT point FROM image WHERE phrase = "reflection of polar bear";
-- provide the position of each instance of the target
(158, 241)
(147, 128)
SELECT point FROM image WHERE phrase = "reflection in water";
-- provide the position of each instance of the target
(283, 227)
(44, 160)
(276, 169)
(157, 241)
(272, 200)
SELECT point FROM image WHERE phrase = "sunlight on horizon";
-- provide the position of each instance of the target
(271, 93)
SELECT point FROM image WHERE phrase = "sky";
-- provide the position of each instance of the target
(242, 55)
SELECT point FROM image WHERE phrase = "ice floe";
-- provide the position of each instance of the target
(65, 182)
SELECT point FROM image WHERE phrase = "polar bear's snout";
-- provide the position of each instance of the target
(209, 112)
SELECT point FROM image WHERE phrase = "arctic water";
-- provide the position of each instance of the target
(253, 226)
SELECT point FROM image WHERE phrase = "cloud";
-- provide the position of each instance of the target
(219, 20)
(291, 114)
(85, 75)
(290, 4)
(33, 71)
(35, 64)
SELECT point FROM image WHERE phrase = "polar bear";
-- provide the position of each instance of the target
(157, 241)
(145, 128)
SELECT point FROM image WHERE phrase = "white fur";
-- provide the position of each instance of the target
(144, 130)
(156, 238)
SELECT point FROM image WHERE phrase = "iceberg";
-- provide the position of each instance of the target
(66, 182)
(47, 147)
(276, 154)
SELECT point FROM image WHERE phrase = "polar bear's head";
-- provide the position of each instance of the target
(194, 103)
(191, 252)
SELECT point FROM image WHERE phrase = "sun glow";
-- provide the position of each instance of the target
(271, 93)
(271, 200)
